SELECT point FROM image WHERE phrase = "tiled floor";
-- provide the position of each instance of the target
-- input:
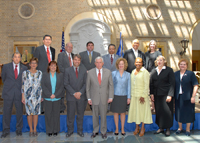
(149, 137)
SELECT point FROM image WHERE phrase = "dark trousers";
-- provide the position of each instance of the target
(7, 112)
(72, 106)
(62, 105)
(52, 116)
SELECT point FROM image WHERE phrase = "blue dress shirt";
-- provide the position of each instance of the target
(122, 85)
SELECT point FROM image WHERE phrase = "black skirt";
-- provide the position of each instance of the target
(184, 110)
(119, 104)
(164, 112)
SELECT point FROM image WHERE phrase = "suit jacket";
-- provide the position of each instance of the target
(147, 56)
(130, 57)
(162, 84)
(46, 85)
(41, 54)
(107, 62)
(11, 86)
(97, 92)
(63, 61)
(73, 84)
(187, 83)
(85, 59)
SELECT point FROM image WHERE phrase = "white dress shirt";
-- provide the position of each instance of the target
(164, 67)
(70, 57)
(135, 52)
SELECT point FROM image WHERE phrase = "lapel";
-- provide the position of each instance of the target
(103, 75)
(52, 54)
(49, 81)
(57, 79)
(109, 60)
(73, 73)
(44, 52)
(133, 54)
(95, 76)
(93, 57)
(139, 53)
(66, 57)
(20, 70)
(184, 75)
(12, 70)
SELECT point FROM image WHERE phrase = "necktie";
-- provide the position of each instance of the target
(48, 55)
(16, 72)
(99, 77)
(111, 59)
(70, 62)
(90, 57)
(76, 73)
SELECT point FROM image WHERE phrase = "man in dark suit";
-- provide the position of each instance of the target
(12, 80)
(64, 61)
(88, 57)
(75, 84)
(100, 92)
(131, 54)
(111, 58)
(44, 54)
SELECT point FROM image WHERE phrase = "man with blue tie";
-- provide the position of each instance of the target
(12, 80)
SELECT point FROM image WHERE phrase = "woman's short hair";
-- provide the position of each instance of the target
(165, 62)
(183, 60)
(149, 49)
(34, 59)
(53, 62)
(125, 63)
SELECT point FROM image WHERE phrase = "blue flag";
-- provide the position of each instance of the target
(120, 48)
(63, 41)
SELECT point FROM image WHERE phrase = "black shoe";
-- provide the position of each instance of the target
(49, 134)
(42, 112)
(19, 133)
(4, 135)
(116, 134)
(104, 136)
(69, 134)
(187, 133)
(179, 131)
(159, 131)
(167, 133)
(94, 135)
(123, 134)
(80, 134)
(61, 111)
(55, 134)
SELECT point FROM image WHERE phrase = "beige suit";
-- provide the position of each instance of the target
(99, 94)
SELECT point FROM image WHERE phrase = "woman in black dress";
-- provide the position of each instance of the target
(151, 56)
(162, 82)
(185, 92)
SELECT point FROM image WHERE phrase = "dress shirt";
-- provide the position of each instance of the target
(97, 71)
(70, 57)
(113, 55)
(49, 51)
(89, 53)
(164, 67)
(53, 87)
(122, 84)
(75, 68)
(17, 67)
(181, 91)
(135, 52)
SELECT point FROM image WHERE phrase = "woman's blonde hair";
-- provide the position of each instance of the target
(125, 63)
(149, 49)
(165, 62)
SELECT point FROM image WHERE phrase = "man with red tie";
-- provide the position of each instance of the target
(100, 92)
(44, 54)
(75, 84)
(64, 61)
(12, 80)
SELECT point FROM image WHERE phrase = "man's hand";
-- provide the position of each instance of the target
(169, 98)
(77, 95)
(152, 97)
(90, 102)
(110, 100)
(52, 96)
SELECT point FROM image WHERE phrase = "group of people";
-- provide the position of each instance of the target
(89, 78)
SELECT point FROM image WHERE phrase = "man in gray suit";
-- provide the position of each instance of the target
(12, 80)
(100, 92)
(64, 61)
(44, 54)
(111, 58)
(88, 57)
(75, 84)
